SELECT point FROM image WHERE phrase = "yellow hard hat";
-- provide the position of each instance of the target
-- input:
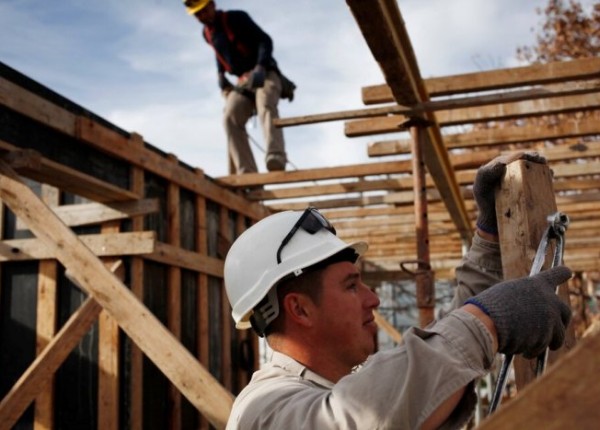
(194, 6)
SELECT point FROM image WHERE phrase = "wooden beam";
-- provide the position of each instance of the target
(175, 256)
(203, 305)
(226, 239)
(536, 74)
(117, 145)
(439, 105)
(102, 245)
(45, 365)
(355, 170)
(32, 165)
(383, 28)
(384, 31)
(174, 290)
(565, 397)
(96, 213)
(158, 343)
(136, 393)
(579, 127)
(523, 204)
(46, 321)
(109, 352)
(504, 112)
(388, 328)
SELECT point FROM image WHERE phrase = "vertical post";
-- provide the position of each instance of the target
(46, 321)
(523, 204)
(225, 244)
(203, 301)
(109, 352)
(137, 288)
(423, 275)
(174, 290)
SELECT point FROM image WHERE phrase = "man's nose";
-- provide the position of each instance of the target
(372, 299)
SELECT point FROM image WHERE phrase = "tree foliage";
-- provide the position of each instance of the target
(566, 33)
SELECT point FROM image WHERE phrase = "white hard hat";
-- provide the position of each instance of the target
(281, 245)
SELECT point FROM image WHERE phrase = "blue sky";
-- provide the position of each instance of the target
(143, 64)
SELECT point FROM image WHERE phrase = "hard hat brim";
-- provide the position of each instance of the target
(198, 7)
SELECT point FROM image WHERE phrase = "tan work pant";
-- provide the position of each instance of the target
(239, 109)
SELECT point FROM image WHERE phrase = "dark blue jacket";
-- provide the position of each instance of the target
(239, 43)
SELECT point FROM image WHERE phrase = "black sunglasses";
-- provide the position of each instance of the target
(310, 221)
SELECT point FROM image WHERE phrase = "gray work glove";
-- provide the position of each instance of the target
(487, 180)
(527, 313)
(256, 78)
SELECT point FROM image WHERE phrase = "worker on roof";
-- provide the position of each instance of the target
(244, 50)
(292, 280)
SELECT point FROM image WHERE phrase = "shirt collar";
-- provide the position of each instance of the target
(292, 366)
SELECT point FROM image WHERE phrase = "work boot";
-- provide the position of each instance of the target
(275, 163)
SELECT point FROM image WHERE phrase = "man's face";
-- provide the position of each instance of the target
(207, 14)
(345, 314)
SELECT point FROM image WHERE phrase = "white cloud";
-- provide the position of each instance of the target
(144, 65)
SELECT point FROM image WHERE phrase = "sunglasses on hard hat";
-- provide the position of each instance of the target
(310, 221)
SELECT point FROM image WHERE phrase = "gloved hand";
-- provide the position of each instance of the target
(527, 313)
(487, 179)
(256, 78)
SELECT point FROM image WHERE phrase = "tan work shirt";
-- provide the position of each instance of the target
(395, 389)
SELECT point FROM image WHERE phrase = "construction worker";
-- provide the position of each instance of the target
(243, 49)
(292, 280)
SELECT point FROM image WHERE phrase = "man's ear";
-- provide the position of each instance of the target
(299, 308)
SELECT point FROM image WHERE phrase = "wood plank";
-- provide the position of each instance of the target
(355, 170)
(31, 164)
(45, 331)
(174, 256)
(46, 321)
(115, 144)
(174, 290)
(39, 373)
(399, 181)
(137, 289)
(440, 105)
(524, 201)
(497, 136)
(226, 235)
(203, 340)
(388, 328)
(245, 337)
(565, 397)
(405, 197)
(35, 107)
(102, 245)
(464, 177)
(109, 351)
(383, 29)
(96, 213)
(536, 74)
(202, 390)
(508, 111)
